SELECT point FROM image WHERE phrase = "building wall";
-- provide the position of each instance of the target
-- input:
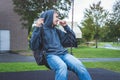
(9, 20)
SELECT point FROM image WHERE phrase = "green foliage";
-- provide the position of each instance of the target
(29, 9)
(97, 14)
(116, 11)
(114, 24)
(114, 31)
(95, 19)
(88, 29)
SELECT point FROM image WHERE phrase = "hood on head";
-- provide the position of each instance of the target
(48, 18)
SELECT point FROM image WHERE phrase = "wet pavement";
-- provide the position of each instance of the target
(96, 74)
(9, 57)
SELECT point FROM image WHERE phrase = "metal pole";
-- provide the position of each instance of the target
(72, 13)
(72, 1)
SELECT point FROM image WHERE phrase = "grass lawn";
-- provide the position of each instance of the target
(30, 66)
(88, 52)
(80, 52)
(20, 66)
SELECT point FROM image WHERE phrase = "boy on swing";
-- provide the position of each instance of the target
(58, 58)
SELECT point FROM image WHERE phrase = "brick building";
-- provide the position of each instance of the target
(12, 35)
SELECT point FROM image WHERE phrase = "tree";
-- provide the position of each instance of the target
(114, 30)
(88, 29)
(105, 33)
(116, 19)
(114, 23)
(98, 16)
(29, 9)
(116, 11)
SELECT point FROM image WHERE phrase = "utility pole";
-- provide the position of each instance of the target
(72, 4)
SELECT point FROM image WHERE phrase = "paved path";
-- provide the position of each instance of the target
(8, 57)
(109, 46)
(99, 59)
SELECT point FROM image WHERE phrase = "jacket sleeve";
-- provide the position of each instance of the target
(68, 30)
(67, 38)
(35, 40)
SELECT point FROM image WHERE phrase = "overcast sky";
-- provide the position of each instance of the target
(80, 5)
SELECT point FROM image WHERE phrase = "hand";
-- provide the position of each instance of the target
(62, 23)
(39, 22)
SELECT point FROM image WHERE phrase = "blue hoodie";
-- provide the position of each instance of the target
(52, 41)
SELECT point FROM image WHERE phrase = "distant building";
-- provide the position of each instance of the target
(76, 29)
(12, 35)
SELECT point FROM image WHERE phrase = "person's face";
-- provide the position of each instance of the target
(55, 19)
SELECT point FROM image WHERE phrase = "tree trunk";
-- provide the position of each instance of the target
(96, 41)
